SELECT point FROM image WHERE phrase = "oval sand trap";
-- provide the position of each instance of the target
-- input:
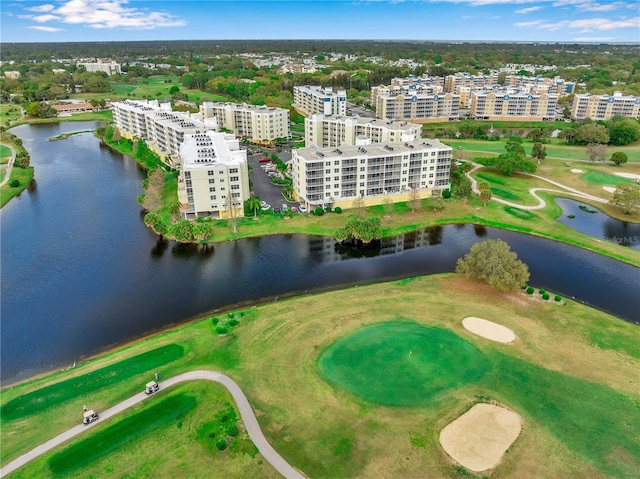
(478, 439)
(576, 170)
(633, 176)
(488, 329)
(609, 189)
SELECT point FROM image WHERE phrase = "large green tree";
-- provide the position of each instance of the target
(619, 158)
(623, 131)
(627, 198)
(513, 159)
(493, 262)
(591, 133)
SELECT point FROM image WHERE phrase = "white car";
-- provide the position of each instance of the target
(263, 203)
(302, 209)
(285, 206)
(265, 207)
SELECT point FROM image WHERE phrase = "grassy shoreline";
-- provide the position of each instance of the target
(275, 350)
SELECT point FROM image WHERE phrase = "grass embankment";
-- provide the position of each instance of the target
(23, 176)
(570, 374)
(104, 115)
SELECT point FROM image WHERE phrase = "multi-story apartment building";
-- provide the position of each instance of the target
(424, 80)
(539, 84)
(214, 179)
(338, 176)
(451, 82)
(501, 104)
(418, 107)
(257, 123)
(309, 99)
(110, 68)
(332, 131)
(408, 89)
(162, 129)
(603, 107)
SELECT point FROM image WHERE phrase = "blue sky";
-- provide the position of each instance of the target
(475, 20)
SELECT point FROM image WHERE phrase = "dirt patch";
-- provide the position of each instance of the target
(478, 439)
(576, 170)
(488, 329)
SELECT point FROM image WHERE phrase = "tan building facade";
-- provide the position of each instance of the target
(418, 107)
(255, 122)
(214, 178)
(338, 176)
(333, 131)
(507, 105)
(110, 68)
(603, 107)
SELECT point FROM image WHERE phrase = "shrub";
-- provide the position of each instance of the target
(318, 211)
(233, 322)
(14, 183)
(446, 193)
(542, 291)
(214, 320)
(221, 330)
(558, 297)
(221, 445)
(530, 290)
(337, 209)
(327, 209)
(571, 216)
(233, 430)
(545, 296)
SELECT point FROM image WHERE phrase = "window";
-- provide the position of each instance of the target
(336, 178)
(235, 187)
(234, 178)
(213, 197)
(212, 189)
(210, 172)
(336, 170)
(221, 172)
(236, 195)
(211, 181)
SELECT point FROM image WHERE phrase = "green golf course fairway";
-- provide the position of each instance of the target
(401, 364)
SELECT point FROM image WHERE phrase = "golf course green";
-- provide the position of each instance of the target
(401, 364)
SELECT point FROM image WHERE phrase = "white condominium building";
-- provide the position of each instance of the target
(162, 129)
(540, 84)
(397, 90)
(110, 68)
(420, 80)
(214, 178)
(512, 105)
(331, 131)
(337, 176)
(451, 82)
(603, 107)
(309, 99)
(257, 123)
(418, 107)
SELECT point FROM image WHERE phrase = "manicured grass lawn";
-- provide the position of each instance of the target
(9, 112)
(605, 179)
(4, 151)
(51, 396)
(569, 374)
(401, 363)
(24, 176)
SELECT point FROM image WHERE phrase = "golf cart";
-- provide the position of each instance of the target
(151, 388)
(89, 417)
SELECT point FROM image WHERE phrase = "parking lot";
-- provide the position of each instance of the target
(262, 187)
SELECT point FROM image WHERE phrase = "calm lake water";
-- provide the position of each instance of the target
(81, 272)
(593, 222)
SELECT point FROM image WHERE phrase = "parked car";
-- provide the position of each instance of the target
(152, 387)
(302, 209)
(285, 206)
(89, 417)
(263, 203)
(265, 207)
(264, 160)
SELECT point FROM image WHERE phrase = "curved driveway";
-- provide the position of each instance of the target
(248, 417)
(567, 190)
(9, 165)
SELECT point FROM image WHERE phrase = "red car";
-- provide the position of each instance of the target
(264, 160)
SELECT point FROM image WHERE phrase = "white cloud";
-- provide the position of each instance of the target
(591, 5)
(45, 29)
(524, 11)
(42, 8)
(106, 14)
(585, 25)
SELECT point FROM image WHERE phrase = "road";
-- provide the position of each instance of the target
(567, 190)
(248, 417)
(9, 165)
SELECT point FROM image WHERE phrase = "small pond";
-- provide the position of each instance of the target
(593, 222)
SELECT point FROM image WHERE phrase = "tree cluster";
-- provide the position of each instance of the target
(513, 159)
(359, 230)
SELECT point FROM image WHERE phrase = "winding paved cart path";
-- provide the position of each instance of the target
(248, 417)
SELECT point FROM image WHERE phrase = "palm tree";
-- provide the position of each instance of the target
(254, 203)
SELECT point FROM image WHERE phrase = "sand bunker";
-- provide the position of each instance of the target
(628, 175)
(576, 170)
(478, 439)
(609, 189)
(488, 329)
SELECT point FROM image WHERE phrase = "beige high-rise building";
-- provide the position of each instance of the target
(338, 176)
(309, 100)
(110, 68)
(513, 105)
(255, 122)
(603, 107)
(418, 107)
(162, 129)
(214, 179)
(331, 130)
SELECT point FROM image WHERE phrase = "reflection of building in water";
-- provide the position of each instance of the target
(324, 249)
